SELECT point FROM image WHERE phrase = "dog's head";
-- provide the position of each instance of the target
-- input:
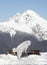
(11, 52)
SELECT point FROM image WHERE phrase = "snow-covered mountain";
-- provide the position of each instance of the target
(29, 22)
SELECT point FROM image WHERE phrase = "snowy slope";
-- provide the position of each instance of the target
(30, 60)
(29, 22)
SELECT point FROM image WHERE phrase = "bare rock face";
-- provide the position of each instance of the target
(7, 42)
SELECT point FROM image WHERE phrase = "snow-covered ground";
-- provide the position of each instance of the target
(30, 60)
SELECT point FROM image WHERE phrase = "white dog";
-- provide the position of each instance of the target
(22, 48)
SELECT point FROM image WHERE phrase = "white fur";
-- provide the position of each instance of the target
(22, 48)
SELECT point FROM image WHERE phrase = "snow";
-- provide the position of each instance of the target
(24, 22)
(30, 60)
(8, 27)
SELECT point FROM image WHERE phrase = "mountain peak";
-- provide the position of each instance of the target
(30, 12)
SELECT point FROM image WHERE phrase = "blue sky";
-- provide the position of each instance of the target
(9, 8)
